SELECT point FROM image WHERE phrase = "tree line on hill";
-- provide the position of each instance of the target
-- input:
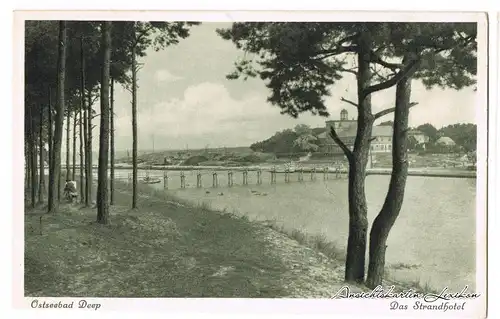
(305, 139)
(301, 139)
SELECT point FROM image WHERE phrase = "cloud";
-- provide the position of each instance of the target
(207, 114)
(163, 75)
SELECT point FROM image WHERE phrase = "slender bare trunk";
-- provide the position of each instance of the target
(56, 156)
(34, 165)
(90, 177)
(394, 199)
(86, 152)
(82, 158)
(59, 185)
(68, 148)
(27, 179)
(112, 145)
(41, 183)
(73, 168)
(134, 129)
(85, 122)
(102, 180)
(30, 138)
(50, 139)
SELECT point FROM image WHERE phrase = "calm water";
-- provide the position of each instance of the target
(435, 232)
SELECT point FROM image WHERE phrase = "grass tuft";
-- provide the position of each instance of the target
(316, 242)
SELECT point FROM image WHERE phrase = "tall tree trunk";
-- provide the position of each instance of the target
(30, 137)
(395, 194)
(68, 146)
(27, 162)
(56, 156)
(86, 152)
(102, 179)
(358, 221)
(112, 145)
(82, 158)
(50, 139)
(134, 129)
(90, 176)
(73, 172)
(34, 165)
(41, 184)
(59, 182)
(85, 122)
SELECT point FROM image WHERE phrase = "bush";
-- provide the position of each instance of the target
(195, 160)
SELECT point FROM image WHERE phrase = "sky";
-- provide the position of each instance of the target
(185, 100)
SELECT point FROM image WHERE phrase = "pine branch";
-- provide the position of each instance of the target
(349, 71)
(336, 138)
(377, 76)
(375, 58)
(337, 50)
(138, 37)
(394, 80)
(348, 101)
(390, 110)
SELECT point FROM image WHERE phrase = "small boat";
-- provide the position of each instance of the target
(151, 180)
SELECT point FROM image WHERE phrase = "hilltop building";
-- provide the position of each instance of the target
(346, 130)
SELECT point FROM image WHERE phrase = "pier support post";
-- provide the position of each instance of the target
(215, 181)
(245, 177)
(198, 180)
(230, 178)
(183, 180)
(259, 177)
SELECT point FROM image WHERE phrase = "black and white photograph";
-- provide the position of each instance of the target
(330, 157)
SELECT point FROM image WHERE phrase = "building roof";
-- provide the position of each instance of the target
(323, 135)
(445, 140)
(351, 130)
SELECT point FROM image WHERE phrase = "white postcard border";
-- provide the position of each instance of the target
(256, 306)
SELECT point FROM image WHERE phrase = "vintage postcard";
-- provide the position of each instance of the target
(253, 162)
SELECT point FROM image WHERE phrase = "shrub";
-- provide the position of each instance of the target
(195, 160)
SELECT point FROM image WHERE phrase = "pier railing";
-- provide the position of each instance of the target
(219, 177)
(196, 177)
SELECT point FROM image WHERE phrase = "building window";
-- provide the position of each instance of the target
(389, 147)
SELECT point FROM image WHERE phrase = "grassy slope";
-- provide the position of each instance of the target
(166, 249)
